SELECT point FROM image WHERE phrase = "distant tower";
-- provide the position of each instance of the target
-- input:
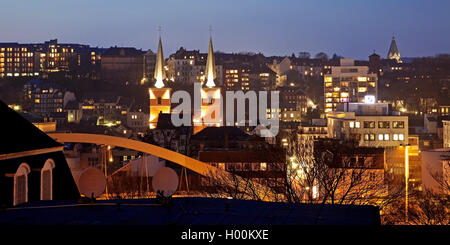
(210, 96)
(159, 96)
(393, 51)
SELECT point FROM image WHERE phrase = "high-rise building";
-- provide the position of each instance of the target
(18, 60)
(349, 83)
(159, 95)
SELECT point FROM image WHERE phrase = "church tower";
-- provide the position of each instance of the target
(159, 95)
(393, 51)
(210, 97)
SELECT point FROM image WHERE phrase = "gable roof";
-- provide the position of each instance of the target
(19, 134)
(220, 133)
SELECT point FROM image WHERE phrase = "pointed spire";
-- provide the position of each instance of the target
(393, 50)
(210, 64)
(160, 75)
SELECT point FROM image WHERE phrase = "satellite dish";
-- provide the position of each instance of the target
(166, 181)
(92, 181)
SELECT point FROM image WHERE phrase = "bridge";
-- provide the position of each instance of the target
(185, 161)
(195, 165)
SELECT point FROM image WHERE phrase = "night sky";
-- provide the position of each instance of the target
(350, 28)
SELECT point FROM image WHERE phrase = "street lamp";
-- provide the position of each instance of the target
(406, 179)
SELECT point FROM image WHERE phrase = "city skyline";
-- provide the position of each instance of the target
(269, 28)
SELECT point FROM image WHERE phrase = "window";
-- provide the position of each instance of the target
(263, 166)
(352, 124)
(401, 137)
(380, 137)
(357, 125)
(383, 124)
(369, 137)
(47, 180)
(395, 137)
(362, 89)
(398, 124)
(159, 101)
(21, 184)
(386, 136)
(369, 124)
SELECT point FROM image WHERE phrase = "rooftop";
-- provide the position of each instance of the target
(188, 211)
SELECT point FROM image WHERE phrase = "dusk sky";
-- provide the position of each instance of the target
(350, 28)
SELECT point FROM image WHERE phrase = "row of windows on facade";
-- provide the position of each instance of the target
(381, 124)
(242, 166)
(384, 137)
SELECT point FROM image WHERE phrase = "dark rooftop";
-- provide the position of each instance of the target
(189, 211)
(122, 51)
(220, 133)
(20, 134)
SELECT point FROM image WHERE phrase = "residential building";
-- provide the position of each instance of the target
(446, 133)
(293, 104)
(348, 83)
(368, 125)
(123, 65)
(436, 170)
(18, 60)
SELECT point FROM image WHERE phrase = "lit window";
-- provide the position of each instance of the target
(401, 137)
(263, 166)
(362, 79)
(357, 125)
(386, 136)
(362, 89)
(380, 137)
(352, 124)
(395, 137)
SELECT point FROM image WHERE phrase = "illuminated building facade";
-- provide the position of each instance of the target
(368, 125)
(159, 96)
(348, 83)
(18, 60)
(188, 67)
(293, 104)
(237, 78)
(40, 59)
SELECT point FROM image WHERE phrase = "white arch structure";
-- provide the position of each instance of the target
(185, 161)
(99, 139)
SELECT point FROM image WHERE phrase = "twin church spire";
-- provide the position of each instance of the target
(160, 73)
(210, 66)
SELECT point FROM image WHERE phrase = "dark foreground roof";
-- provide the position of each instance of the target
(190, 211)
(19, 134)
